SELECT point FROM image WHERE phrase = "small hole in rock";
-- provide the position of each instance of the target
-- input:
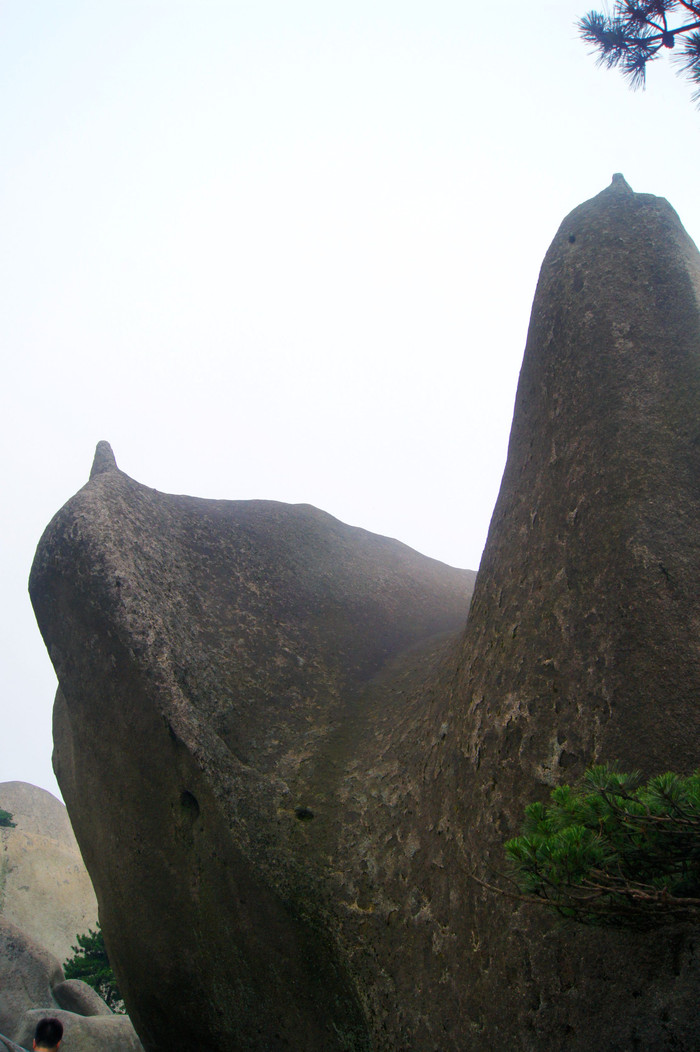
(303, 813)
(188, 803)
(572, 238)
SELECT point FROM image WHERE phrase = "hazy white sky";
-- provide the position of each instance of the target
(287, 250)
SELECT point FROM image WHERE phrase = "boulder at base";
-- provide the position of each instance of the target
(27, 974)
(111, 1033)
(32, 985)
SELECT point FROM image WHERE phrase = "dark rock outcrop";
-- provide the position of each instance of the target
(234, 695)
(582, 644)
(282, 773)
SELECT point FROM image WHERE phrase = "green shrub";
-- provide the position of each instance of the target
(6, 819)
(91, 964)
(613, 850)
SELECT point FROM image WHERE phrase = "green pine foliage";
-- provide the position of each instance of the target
(91, 964)
(6, 819)
(639, 31)
(614, 850)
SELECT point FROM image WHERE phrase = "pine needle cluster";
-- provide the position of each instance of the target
(614, 850)
(638, 31)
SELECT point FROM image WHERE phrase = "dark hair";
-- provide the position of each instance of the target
(48, 1033)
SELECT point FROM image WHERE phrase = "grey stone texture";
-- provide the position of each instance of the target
(111, 1033)
(9, 1046)
(44, 886)
(234, 698)
(582, 643)
(32, 985)
(27, 973)
(284, 757)
(73, 995)
(46, 899)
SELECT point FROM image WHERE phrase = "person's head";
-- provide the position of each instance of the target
(48, 1034)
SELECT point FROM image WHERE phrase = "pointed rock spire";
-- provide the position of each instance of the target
(103, 460)
(582, 643)
(620, 184)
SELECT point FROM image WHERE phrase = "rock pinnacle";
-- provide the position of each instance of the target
(103, 460)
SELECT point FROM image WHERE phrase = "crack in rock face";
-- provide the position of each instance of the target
(284, 756)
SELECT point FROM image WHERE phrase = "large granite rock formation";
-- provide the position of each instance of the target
(233, 697)
(582, 644)
(44, 886)
(282, 775)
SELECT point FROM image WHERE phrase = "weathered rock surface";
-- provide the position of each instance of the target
(9, 1046)
(27, 973)
(44, 886)
(75, 996)
(224, 727)
(281, 779)
(32, 985)
(582, 644)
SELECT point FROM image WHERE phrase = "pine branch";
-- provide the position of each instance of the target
(635, 34)
(613, 850)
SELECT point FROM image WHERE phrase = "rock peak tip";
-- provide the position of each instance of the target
(103, 460)
(619, 183)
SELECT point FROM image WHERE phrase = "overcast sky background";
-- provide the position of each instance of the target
(287, 250)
